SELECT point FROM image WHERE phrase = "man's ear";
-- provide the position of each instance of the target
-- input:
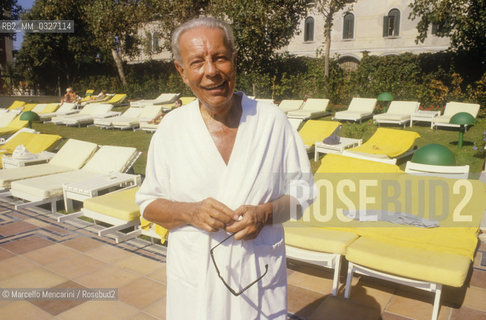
(180, 68)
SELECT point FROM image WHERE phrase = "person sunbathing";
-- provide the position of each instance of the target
(70, 95)
(161, 114)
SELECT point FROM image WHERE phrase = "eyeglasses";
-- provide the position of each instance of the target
(235, 293)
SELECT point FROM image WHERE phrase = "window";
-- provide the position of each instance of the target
(439, 29)
(155, 42)
(391, 24)
(348, 26)
(309, 29)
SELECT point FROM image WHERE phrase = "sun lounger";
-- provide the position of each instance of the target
(15, 125)
(130, 113)
(164, 98)
(323, 246)
(71, 156)
(423, 258)
(451, 109)
(117, 100)
(6, 117)
(44, 108)
(312, 108)
(185, 100)
(453, 172)
(290, 105)
(99, 169)
(359, 109)
(119, 210)
(33, 143)
(152, 127)
(317, 130)
(3, 140)
(64, 109)
(399, 112)
(386, 145)
(86, 115)
(148, 113)
(16, 105)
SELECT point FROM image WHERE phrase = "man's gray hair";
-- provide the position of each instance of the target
(208, 22)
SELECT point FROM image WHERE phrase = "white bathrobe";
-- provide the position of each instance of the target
(185, 165)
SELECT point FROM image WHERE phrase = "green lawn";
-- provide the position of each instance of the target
(141, 139)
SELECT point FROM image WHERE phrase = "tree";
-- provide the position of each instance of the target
(260, 27)
(328, 8)
(114, 26)
(55, 59)
(464, 21)
(9, 10)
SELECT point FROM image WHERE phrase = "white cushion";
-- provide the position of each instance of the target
(362, 105)
(74, 154)
(49, 185)
(14, 174)
(39, 107)
(149, 112)
(452, 108)
(66, 107)
(315, 105)
(403, 107)
(111, 159)
(6, 118)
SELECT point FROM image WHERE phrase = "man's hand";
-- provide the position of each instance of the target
(252, 220)
(212, 215)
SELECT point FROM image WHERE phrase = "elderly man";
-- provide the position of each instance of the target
(217, 176)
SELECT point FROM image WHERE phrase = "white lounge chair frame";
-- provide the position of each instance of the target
(164, 98)
(399, 112)
(436, 288)
(312, 108)
(32, 200)
(65, 109)
(107, 123)
(374, 157)
(322, 259)
(452, 108)
(290, 105)
(452, 172)
(359, 109)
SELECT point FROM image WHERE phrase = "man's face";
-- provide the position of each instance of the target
(207, 66)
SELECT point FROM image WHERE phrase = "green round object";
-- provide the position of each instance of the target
(434, 154)
(385, 96)
(462, 118)
(29, 116)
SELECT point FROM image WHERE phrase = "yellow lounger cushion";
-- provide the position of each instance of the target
(389, 142)
(51, 107)
(316, 130)
(119, 205)
(42, 142)
(160, 231)
(438, 267)
(16, 104)
(318, 239)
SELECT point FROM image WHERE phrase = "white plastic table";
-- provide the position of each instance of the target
(11, 162)
(92, 187)
(344, 143)
(425, 116)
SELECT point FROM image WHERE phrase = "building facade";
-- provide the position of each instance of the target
(375, 27)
